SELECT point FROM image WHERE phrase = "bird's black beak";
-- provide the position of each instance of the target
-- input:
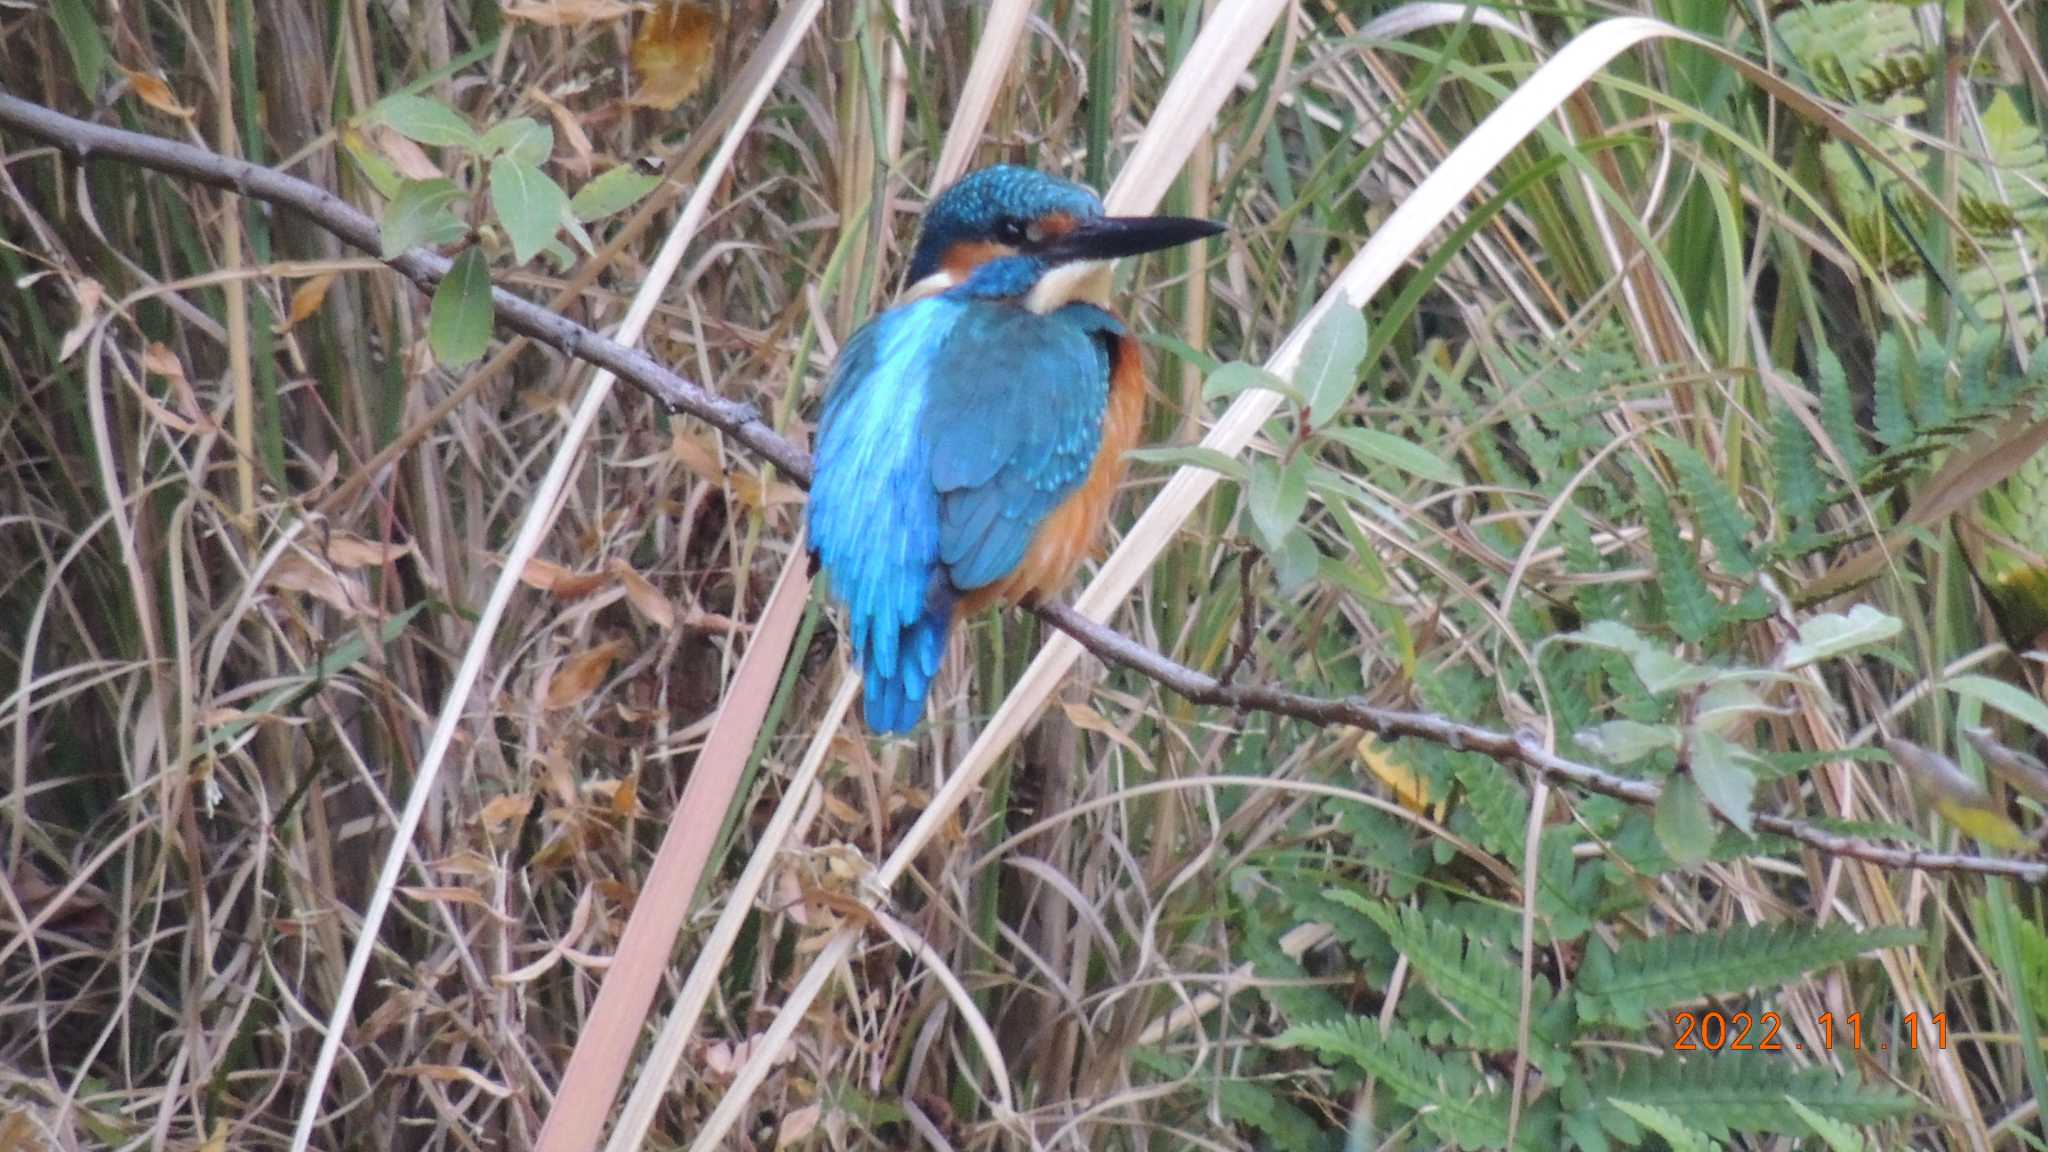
(1110, 237)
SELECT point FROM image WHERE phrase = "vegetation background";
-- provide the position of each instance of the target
(1702, 449)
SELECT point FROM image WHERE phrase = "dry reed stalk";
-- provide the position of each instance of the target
(525, 544)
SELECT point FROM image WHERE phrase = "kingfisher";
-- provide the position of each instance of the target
(973, 434)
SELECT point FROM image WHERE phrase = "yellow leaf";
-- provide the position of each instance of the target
(154, 92)
(626, 797)
(1409, 787)
(307, 300)
(567, 13)
(1984, 825)
(580, 675)
(672, 52)
(645, 597)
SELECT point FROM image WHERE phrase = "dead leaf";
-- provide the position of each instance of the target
(672, 53)
(409, 159)
(751, 493)
(567, 13)
(501, 812)
(298, 572)
(307, 299)
(154, 92)
(644, 596)
(580, 675)
(88, 293)
(797, 1125)
(626, 797)
(560, 582)
(452, 1072)
(159, 360)
(697, 455)
(450, 894)
(347, 550)
(568, 126)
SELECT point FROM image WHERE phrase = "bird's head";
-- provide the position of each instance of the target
(1017, 232)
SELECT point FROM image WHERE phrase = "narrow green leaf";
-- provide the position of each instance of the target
(530, 206)
(1684, 825)
(1236, 377)
(421, 214)
(426, 121)
(1278, 494)
(1329, 363)
(459, 323)
(521, 138)
(1724, 778)
(1373, 446)
(80, 31)
(613, 191)
(2014, 702)
(1192, 456)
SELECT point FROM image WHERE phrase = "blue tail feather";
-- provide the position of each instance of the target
(893, 692)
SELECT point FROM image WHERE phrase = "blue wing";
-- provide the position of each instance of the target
(951, 428)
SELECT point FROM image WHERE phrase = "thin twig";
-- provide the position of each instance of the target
(81, 140)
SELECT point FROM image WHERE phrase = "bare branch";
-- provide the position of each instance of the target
(81, 140)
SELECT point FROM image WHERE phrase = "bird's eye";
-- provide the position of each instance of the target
(1013, 231)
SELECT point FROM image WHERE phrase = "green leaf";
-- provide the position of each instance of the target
(529, 206)
(1722, 772)
(1373, 446)
(1658, 669)
(80, 31)
(1832, 634)
(1297, 561)
(1684, 826)
(426, 121)
(1800, 486)
(1192, 456)
(421, 214)
(1237, 376)
(1721, 519)
(1694, 613)
(1839, 1137)
(1671, 1128)
(1626, 741)
(1729, 1092)
(1644, 976)
(614, 191)
(1328, 374)
(2014, 702)
(459, 323)
(1278, 494)
(1838, 411)
(521, 138)
(1894, 427)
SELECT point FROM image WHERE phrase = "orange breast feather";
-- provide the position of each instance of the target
(1073, 528)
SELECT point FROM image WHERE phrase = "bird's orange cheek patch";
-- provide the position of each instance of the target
(963, 258)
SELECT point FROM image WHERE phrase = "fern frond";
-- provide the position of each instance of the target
(1718, 1095)
(1448, 1094)
(1652, 973)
